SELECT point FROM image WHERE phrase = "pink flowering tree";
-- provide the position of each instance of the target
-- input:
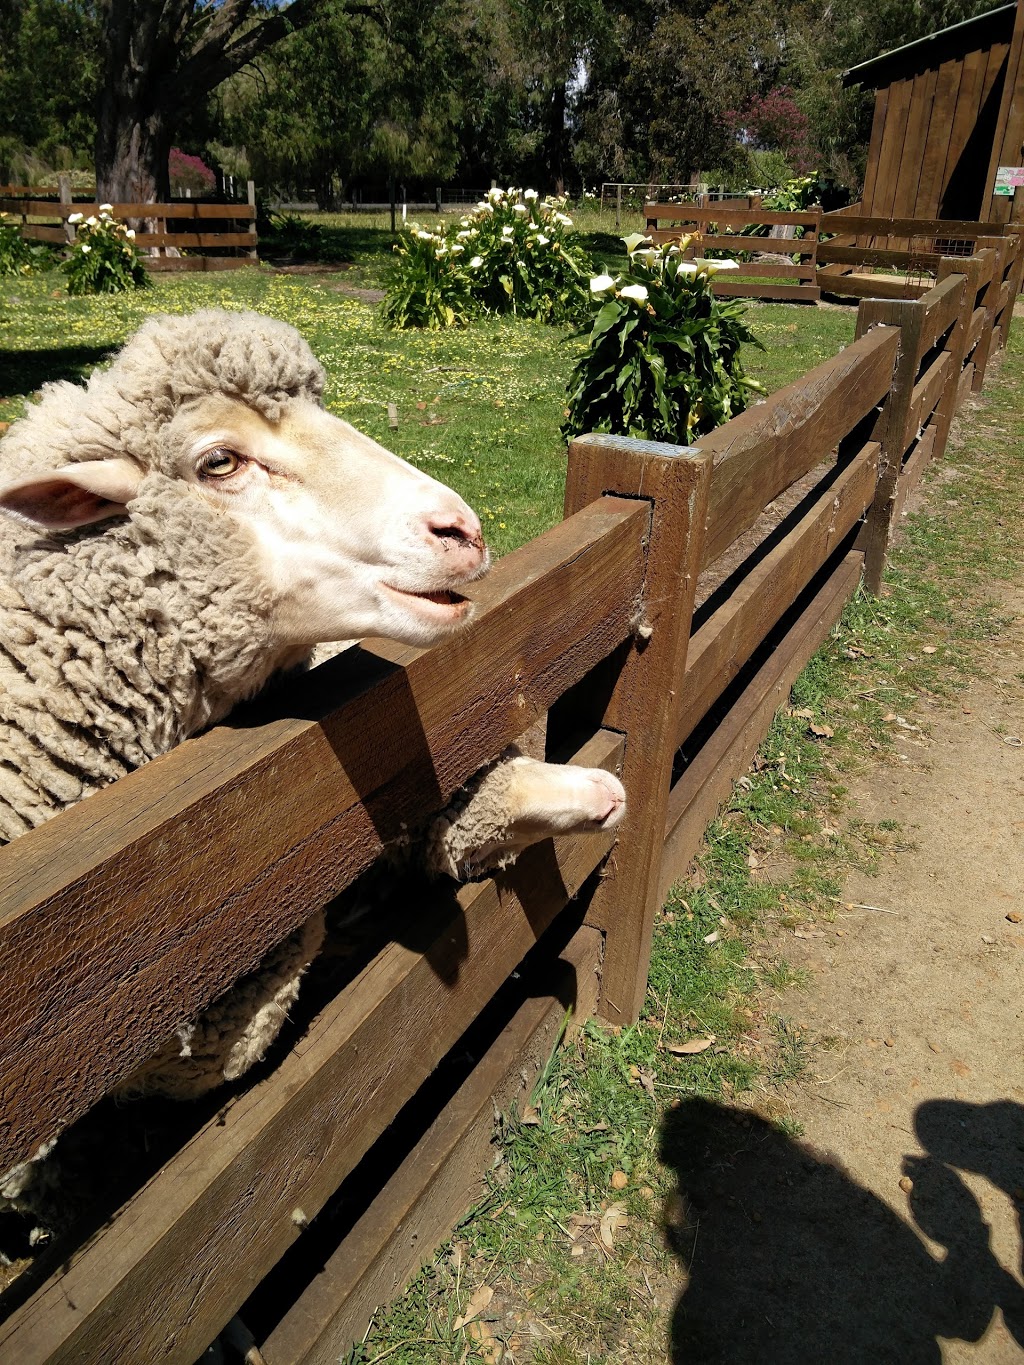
(189, 173)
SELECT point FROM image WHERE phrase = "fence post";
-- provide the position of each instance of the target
(956, 345)
(638, 693)
(906, 314)
(1017, 271)
(250, 195)
(64, 190)
(988, 302)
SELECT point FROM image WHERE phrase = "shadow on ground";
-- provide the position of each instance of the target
(790, 1260)
(22, 372)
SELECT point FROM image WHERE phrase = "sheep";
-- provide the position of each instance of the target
(186, 526)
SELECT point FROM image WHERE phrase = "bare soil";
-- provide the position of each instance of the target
(892, 1230)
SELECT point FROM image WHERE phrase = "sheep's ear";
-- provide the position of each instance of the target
(73, 495)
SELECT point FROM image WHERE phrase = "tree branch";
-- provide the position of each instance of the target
(221, 53)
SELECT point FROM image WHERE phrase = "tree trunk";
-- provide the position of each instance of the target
(133, 145)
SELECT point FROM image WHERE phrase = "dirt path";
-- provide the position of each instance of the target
(892, 1230)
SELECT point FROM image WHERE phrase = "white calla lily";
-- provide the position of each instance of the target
(600, 284)
(529, 195)
(633, 241)
(637, 292)
(476, 262)
(713, 267)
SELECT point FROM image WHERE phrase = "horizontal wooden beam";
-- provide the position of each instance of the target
(690, 213)
(178, 1260)
(45, 208)
(875, 256)
(768, 447)
(870, 286)
(791, 293)
(951, 228)
(439, 1180)
(720, 648)
(708, 781)
(910, 474)
(134, 909)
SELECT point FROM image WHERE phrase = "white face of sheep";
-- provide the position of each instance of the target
(355, 541)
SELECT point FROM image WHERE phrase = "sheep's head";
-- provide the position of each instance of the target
(353, 540)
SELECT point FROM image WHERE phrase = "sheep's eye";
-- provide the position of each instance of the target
(218, 463)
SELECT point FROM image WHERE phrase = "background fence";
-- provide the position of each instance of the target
(173, 236)
(654, 632)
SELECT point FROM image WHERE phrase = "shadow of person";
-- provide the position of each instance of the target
(987, 1139)
(790, 1261)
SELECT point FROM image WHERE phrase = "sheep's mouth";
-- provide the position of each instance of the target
(439, 603)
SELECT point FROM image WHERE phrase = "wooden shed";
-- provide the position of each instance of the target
(948, 128)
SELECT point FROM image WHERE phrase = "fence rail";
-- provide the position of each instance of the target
(656, 630)
(779, 263)
(165, 231)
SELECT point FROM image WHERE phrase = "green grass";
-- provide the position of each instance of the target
(775, 859)
(492, 401)
(478, 408)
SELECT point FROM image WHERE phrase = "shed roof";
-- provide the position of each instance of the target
(996, 25)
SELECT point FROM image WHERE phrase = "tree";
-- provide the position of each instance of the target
(162, 58)
(348, 96)
(47, 100)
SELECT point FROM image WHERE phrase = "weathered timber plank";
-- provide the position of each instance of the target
(34, 233)
(930, 187)
(921, 101)
(873, 256)
(772, 269)
(769, 446)
(691, 213)
(941, 304)
(728, 638)
(965, 115)
(875, 147)
(871, 287)
(46, 208)
(927, 392)
(906, 320)
(696, 797)
(154, 1284)
(964, 387)
(913, 468)
(644, 699)
(908, 227)
(437, 1183)
(975, 328)
(191, 240)
(133, 910)
(891, 151)
(794, 293)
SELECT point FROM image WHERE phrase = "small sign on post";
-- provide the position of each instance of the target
(1008, 178)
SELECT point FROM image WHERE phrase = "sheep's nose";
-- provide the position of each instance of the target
(455, 531)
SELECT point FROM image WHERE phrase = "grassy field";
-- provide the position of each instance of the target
(479, 408)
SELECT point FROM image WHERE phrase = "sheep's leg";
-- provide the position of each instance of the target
(515, 803)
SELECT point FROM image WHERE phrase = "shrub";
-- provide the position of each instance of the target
(18, 257)
(664, 356)
(187, 172)
(103, 258)
(515, 253)
(428, 285)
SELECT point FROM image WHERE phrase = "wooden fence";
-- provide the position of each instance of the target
(777, 264)
(163, 231)
(657, 629)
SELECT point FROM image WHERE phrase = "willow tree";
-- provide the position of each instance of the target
(161, 59)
